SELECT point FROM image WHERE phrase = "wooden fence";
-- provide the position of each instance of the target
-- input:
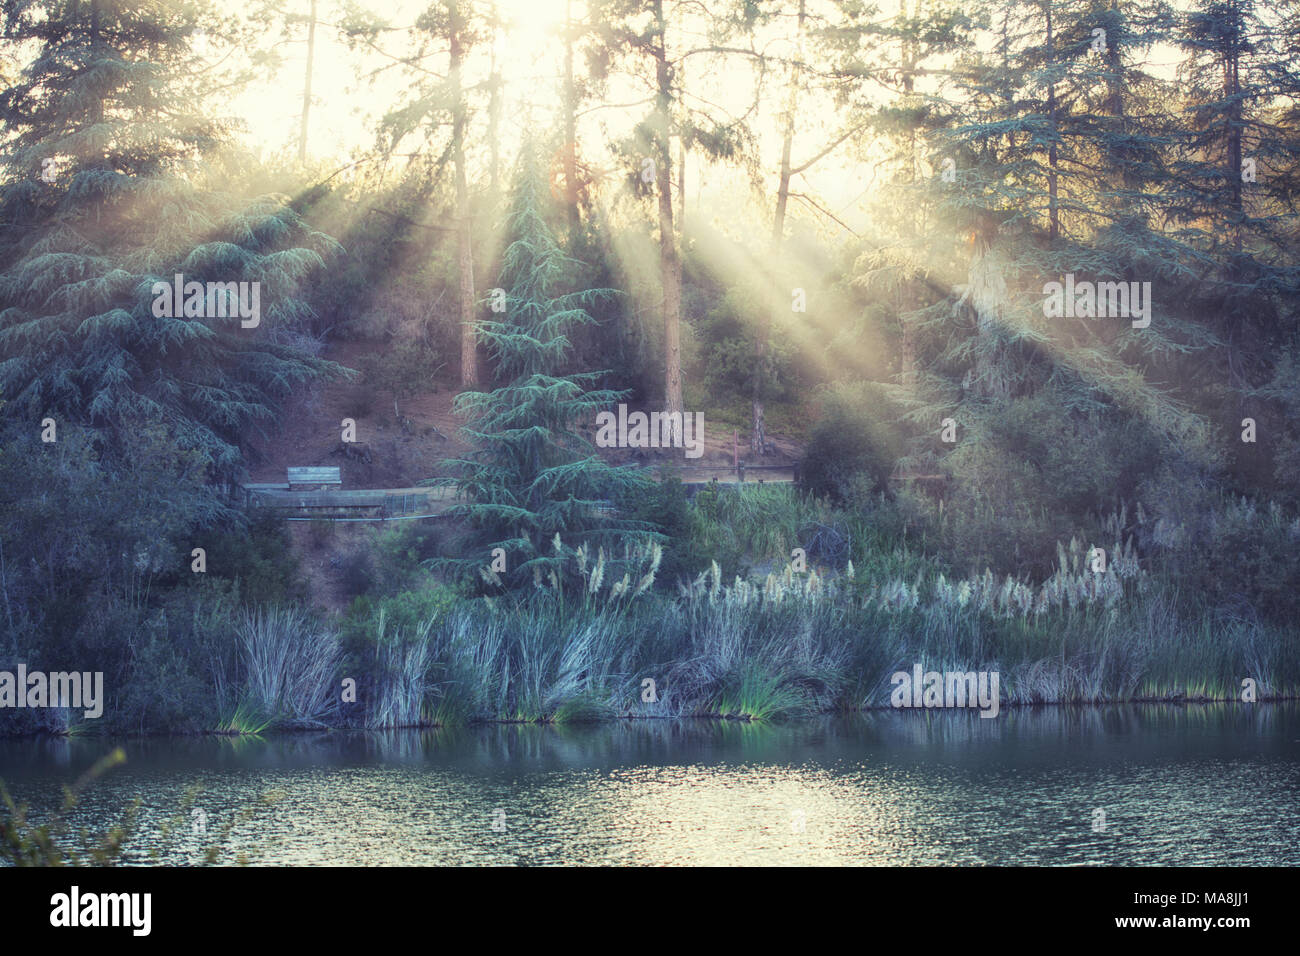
(381, 504)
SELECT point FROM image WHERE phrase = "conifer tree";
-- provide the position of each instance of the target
(651, 42)
(441, 94)
(1039, 172)
(1231, 196)
(103, 194)
(535, 486)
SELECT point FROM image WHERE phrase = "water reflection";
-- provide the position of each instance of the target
(1177, 784)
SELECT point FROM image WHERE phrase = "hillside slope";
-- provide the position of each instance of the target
(310, 429)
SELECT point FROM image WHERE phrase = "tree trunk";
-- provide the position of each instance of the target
(468, 339)
(906, 301)
(570, 157)
(669, 260)
(1127, 177)
(1237, 330)
(97, 106)
(1232, 92)
(494, 118)
(306, 87)
(681, 187)
(1053, 213)
(758, 435)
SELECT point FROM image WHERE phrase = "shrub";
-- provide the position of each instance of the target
(852, 438)
(398, 551)
(262, 561)
(402, 611)
(1030, 473)
(1235, 554)
(666, 509)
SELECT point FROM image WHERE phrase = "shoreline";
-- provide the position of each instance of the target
(297, 728)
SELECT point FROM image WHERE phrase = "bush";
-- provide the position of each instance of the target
(1237, 555)
(398, 552)
(999, 515)
(1030, 473)
(851, 439)
(261, 560)
(402, 611)
(1284, 390)
(666, 509)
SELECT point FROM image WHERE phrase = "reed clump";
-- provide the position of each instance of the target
(583, 644)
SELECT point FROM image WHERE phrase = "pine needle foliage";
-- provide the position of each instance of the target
(103, 193)
(533, 478)
(1064, 160)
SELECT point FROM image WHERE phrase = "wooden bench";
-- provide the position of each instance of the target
(302, 478)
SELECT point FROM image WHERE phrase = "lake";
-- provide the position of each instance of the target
(1130, 784)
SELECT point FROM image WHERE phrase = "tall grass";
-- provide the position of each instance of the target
(798, 643)
(763, 522)
(247, 718)
(400, 692)
(289, 663)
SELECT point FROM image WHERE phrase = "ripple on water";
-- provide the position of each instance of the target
(1211, 785)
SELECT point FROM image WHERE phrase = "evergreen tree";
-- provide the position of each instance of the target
(535, 486)
(1231, 200)
(651, 41)
(102, 195)
(1049, 157)
(902, 267)
(1050, 179)
(441, 96)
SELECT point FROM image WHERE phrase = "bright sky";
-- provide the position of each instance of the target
(530, 56)
(346, 109)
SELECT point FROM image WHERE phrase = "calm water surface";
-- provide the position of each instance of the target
(1216, 784)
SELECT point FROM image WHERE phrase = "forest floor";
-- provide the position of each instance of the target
(310, 430)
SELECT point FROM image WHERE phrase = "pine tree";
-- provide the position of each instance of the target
(1232, 200)
(650, 39)
(1050, 157)
(102, 195)
(535, 487)
(902, 266)
(446, 34)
